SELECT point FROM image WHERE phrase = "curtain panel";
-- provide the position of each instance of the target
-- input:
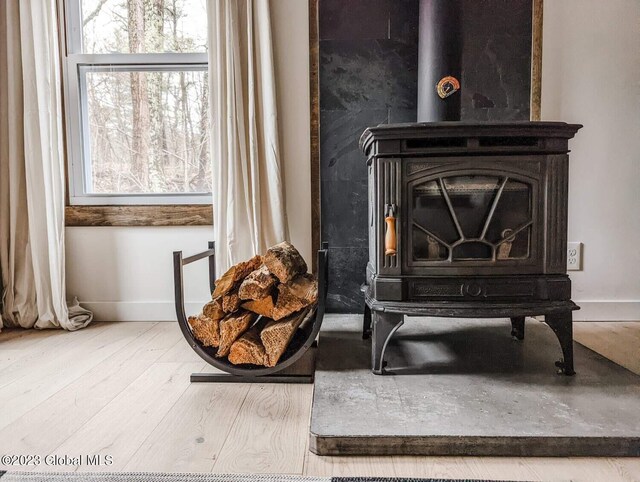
(248, 188)
(32, 181)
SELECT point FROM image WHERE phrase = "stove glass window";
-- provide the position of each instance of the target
(473, 217)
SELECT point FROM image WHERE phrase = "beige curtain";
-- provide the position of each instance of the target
(32, 170)
(248, 200)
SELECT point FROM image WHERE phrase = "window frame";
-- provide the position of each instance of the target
(74, 66)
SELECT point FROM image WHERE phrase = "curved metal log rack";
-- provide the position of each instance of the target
(304, 338)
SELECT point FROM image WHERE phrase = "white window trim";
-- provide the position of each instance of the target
(74, 62)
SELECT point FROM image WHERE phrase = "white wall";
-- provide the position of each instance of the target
(125, 273)
(591, 76)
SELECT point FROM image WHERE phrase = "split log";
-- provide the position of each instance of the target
(249, 348)
(235, 275)
(304, 287)
(263, 306)
(214, 310)
(292, 297)
(257, 284)
(205, 329)
(231, 302)
(277, 335)
(248, 291)
(284, 262)
(231, 328)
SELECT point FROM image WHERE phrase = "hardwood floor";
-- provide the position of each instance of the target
(122, 389)
(619, 342)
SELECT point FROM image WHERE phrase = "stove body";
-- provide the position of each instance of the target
(468, 220)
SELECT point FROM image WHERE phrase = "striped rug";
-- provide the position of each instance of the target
(166, 477)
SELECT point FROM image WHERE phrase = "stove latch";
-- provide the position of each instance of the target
(390, 239)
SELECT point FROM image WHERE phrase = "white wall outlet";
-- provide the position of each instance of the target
(574, 256)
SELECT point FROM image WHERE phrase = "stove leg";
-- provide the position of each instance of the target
(562, 326)
(366, 324)
(517, 327)
(384, 326)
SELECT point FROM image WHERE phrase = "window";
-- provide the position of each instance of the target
(136, 93)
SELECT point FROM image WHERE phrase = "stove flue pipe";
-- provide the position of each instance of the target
(439, 60)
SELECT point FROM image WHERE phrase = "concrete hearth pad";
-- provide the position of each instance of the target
(465, 387)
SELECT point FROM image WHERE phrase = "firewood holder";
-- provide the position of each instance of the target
(304, 340)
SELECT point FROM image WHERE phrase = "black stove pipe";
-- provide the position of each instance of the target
(439, 57)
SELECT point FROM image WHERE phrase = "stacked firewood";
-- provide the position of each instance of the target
(257, 307)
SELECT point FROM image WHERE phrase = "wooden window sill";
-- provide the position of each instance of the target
(147, 215)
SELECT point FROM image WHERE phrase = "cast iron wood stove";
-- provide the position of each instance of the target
(468, 220)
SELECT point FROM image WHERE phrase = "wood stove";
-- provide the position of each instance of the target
(468, 220)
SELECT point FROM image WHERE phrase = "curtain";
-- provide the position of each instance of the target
(248, 195)
(32, 176)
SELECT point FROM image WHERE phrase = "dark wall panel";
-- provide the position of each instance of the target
(496, 60)
(368, 76)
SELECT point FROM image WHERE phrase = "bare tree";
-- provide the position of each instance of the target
(148, 129)
(154, 40)
(96, 11)
(139, 95)
(203, 128)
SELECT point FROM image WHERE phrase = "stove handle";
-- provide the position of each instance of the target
(390, 240)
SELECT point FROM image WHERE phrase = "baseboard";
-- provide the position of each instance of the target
(165, 310)
(138, 310)
(626, 310)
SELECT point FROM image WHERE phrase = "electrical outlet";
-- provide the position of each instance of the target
(574, 256)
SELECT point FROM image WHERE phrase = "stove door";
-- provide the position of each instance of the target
(475, 216)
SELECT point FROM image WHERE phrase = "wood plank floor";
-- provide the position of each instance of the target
(122, 389)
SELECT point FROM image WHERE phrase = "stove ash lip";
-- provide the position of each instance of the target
(448, 129)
